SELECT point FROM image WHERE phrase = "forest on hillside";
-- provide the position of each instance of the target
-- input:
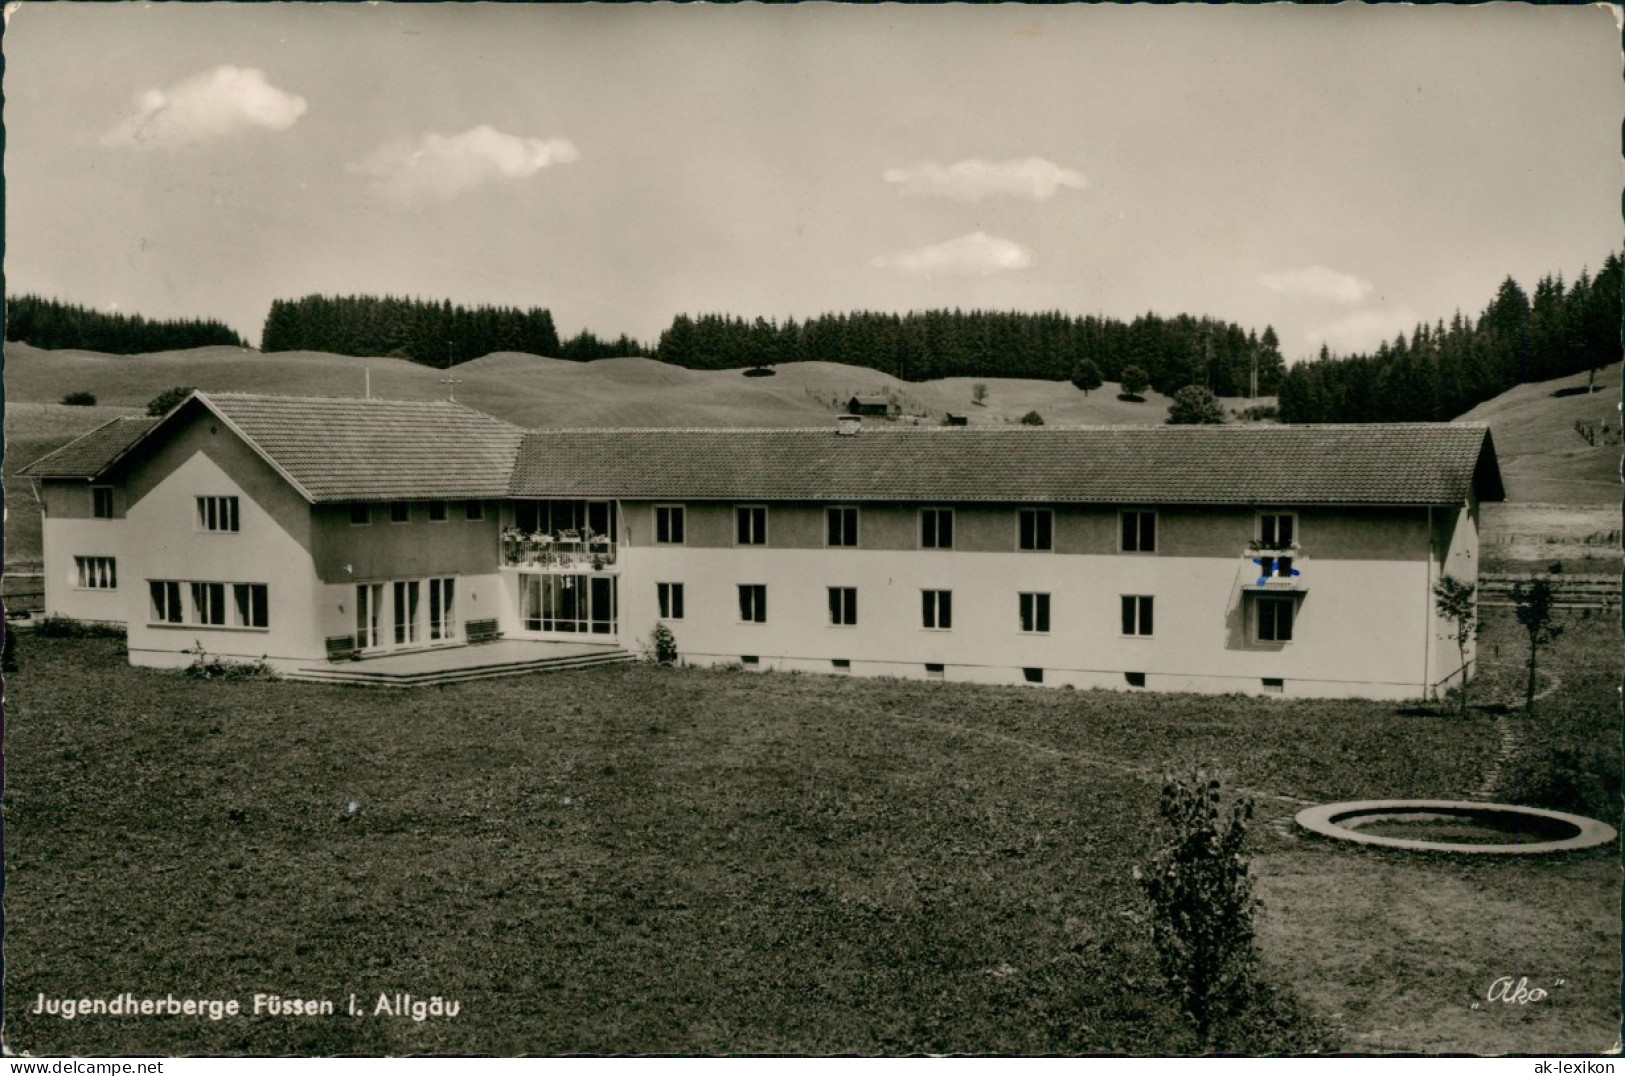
(49, 323)
(1442, 371)
(925, 345)
(1436, 372)
(435, 334)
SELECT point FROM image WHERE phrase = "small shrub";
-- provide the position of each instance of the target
(168, 400)
(662, 645)
(1032, 418)
(66, 627)
(206, 666)
(1202, 902)
(760, 371)
(1195, 405)
(8, 651)
(80, 399)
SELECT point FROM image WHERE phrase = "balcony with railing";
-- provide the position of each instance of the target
(1272, 568)
(564, 551)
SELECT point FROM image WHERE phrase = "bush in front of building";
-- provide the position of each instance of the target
(662, 645)
(67, 627)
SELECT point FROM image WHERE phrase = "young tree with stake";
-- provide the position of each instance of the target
(1534, 606)
(1457, 602)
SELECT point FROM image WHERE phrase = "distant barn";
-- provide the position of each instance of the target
(871, 405)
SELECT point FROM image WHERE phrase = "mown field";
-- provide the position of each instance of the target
(639, 860)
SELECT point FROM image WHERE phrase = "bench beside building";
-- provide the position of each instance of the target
(1297, 560)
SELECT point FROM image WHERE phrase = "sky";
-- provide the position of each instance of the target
(1336, 172)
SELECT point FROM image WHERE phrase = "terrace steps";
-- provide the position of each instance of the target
(397, 674)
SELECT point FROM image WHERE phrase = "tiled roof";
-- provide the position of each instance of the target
(89, 455)
(354, 450)
(1409, 464)
(359, 450)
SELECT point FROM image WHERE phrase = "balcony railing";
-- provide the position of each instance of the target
(1275, 568)
(565, 551)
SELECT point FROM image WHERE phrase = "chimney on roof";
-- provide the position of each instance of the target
(847, 425)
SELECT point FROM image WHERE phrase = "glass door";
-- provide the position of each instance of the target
(406, 612)
(442, 610)
(369, 601)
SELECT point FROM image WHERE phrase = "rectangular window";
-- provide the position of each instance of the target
(936, 528)
(474, 510)
(842, 527)
(208, 603)
(841, 664)
(406, 612)
(217, 514)
(1139, 532)
(96, 573)
(400, 512)
(250, 602)
(750, 524)
(360, 514)
(101, 502)
(1275, 620)
(753, 603)
(166, 602)
(1274, 686)
(671, 600)
(1037, 529)
(437, 511)
(843, 605)
(668, 524)
(1033, 676)
(1136, 614)
(1277, 530)
(934, 670)
(1035, 613)
(1134, 679)
(937, 609)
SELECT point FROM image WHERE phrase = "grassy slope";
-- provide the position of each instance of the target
(690, 861)
(1543, 459)
(534, 391)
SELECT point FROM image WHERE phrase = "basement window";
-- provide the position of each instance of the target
(934, 670)
(1274, 685)
(1033, 676)
(1134, 679)
(750, 659)
(841, 664)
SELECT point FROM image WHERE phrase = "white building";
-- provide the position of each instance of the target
(1297, 560)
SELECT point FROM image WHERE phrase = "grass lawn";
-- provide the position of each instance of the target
(638, 860)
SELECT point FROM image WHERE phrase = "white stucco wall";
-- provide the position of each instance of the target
(1360, 629)
(167, 544)
(66, 539)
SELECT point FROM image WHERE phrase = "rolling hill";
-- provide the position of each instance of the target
(532, 391)
(1546, 462)
(1544, 458)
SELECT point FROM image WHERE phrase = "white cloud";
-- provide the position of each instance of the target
(977, 254)
(441, 167)
(212, 104)
(972, 180)
(1364, 330)
(1319, 282)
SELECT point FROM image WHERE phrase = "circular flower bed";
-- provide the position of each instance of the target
(1456, 826)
